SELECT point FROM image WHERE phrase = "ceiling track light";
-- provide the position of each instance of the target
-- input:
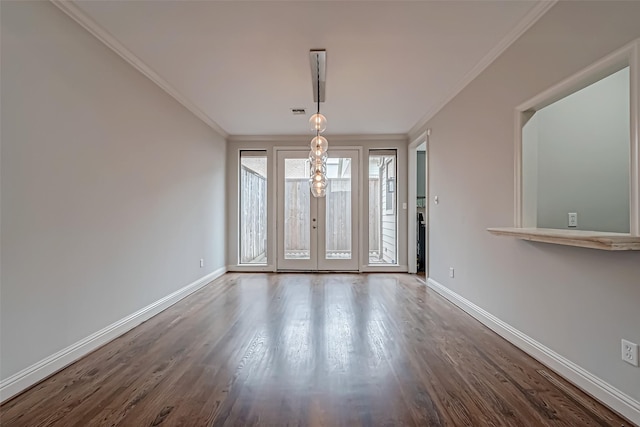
(318, 124)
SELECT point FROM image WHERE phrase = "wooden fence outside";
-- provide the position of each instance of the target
(297, 217)
(253, 221)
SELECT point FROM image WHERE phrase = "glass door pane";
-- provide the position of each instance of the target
(338, 209)
(297, 212)
(253, 207)
(383, 216)
(297, 225)
(338, 213)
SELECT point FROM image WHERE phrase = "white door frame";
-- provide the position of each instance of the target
(412, 231)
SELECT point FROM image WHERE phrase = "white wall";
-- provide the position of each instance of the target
(111, 190)
(577, 302)
(583, 157)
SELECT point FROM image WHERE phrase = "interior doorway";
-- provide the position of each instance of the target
(317, 234)
(418, 194)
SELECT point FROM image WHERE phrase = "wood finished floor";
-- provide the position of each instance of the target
(308, 350)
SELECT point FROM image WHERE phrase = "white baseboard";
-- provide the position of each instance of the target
(384, 268)
(601, 390)
(49, 365)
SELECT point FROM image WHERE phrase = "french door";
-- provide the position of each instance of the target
(317, 234)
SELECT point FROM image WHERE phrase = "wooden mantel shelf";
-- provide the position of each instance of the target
(580, 238)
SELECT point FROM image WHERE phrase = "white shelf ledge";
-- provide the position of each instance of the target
(579, 238)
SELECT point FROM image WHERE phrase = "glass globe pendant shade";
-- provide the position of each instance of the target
(318, 192)
(318, 123)
(318, 178)
(315, 159)
(318, 181)
(317, 169)
(319, 145)
(317, 172)
(318, 184)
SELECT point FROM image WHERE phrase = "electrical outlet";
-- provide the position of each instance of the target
(201, 262)
(451, 272)
(573, 219)
(630, 352)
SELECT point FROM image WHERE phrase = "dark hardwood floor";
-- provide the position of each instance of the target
(308, 350)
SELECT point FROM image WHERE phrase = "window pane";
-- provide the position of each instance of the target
(338, 209)
(382, 208)
(297, 209)
(253, 208)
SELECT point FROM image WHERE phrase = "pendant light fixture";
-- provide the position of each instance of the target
(318, 124)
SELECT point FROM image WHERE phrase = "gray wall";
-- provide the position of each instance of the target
(111, 191)
(578, 302)
(583, 157)
(420, 176)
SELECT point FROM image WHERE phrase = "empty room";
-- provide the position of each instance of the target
(319, 213)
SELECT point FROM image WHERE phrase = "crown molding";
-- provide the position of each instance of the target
(307, 137)
(75, 13)
(525, 23)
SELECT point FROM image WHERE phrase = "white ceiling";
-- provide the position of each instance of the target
(245, 64)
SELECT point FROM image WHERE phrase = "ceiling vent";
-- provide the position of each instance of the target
(298, 111)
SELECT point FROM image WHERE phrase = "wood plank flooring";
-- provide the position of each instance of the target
(308, 350)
